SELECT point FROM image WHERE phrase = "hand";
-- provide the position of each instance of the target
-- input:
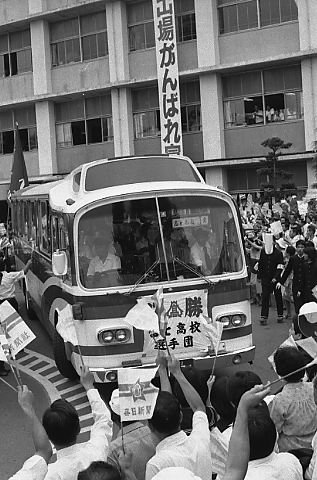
(125, 461)
(173, 365)
(86, 378)
(161, 359)
(278, 285)
(25, 399)
(253, 397)
(210, 382)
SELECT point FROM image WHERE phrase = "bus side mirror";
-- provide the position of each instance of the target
(59, 263)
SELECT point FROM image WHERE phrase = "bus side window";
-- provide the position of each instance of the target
(63, 243)
(54, 233)
(44, 233)
(34, 221)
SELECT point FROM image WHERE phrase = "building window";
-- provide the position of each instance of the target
(83, 122)
(146, 112)
(238, 15)
(27, 129)
(262, 97)
(141, 25)
(78, 39)
(15, 53)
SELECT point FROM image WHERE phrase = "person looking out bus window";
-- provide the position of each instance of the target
(105, 260)
(201, 254)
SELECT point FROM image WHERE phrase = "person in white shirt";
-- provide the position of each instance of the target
(35, 468)
(311, 235)
(61, 423)
(106, 261)
(201, 253)
(7, 292)
(173, 447)
(264, 463)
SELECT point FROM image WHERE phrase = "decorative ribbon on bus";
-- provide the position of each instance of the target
(167, 76)
(137, 395)
(18, 334)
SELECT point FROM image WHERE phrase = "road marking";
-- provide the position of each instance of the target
(28, 360)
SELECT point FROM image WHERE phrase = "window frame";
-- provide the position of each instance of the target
(13, 53)
(80, 36)
(10, 131)
(263, 94)
(84, 118)
(236, 3)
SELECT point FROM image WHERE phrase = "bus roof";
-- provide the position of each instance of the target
(117, 177)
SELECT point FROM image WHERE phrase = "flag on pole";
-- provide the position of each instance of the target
(213, 331)
(19, 176)
(18, 334)
(137, 395)
(143, 317)
(66, 327)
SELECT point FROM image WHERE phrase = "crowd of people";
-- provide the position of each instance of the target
(229, 428)
(282, 260)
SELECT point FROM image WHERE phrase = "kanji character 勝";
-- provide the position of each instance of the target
(173, 343)
(188, 341)
(171, 110)
(167, 55)
(193, 307)
(174, 310)
(166, 28)
(194, 327)
(181, 328)
(172, 128)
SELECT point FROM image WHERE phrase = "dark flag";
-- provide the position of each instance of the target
(19, 176)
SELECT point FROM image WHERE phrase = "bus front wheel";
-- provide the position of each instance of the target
(63, 364)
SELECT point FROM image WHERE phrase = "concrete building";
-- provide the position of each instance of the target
(79, 76)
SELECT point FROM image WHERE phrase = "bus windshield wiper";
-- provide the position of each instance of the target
(188, 267)
(143, 277)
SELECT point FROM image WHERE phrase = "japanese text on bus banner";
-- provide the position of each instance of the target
(185, 313)
(167, 74)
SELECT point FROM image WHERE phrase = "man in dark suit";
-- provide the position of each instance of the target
(269, 272)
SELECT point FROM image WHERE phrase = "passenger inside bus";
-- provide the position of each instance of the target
(103, 267)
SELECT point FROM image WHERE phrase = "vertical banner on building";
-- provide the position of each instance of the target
(167, 74)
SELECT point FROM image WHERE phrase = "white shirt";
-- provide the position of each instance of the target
(311, 472)
(198, 258)
(112, 262)
(35, 468)
(179, 450)
(7, 285)
(72, 460)
(277, 466)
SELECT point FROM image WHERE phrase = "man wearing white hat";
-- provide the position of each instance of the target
(269, 271)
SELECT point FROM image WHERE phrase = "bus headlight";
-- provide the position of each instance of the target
(225, 320)
(238, 320)
(122, 335)
(106, 336)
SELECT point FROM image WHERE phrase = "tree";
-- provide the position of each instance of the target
(270, 166)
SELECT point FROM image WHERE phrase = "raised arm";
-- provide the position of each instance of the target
(191, 395)
(239, 446)
(27, 266)
(40, 439)
(162, 363)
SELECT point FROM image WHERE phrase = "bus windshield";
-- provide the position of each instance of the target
(157, 239)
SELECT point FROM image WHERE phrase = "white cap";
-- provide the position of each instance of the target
(175, 473)
(114, 402)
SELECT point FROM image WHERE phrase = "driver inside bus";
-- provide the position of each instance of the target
(105, 261)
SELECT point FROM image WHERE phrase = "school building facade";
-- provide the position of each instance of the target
(80, 78)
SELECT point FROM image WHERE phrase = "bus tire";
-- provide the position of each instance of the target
(64, 366)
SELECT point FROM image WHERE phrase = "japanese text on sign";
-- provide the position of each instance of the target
(168, 79)
(190, 221)
(184, 314)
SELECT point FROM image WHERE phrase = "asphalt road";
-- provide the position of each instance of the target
(16, 442)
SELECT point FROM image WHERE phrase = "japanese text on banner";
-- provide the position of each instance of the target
(167, 74)
(185, 315)
(18, 334)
